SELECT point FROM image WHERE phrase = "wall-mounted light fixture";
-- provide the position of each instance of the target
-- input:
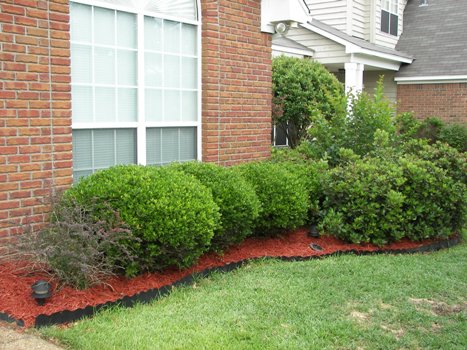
(282, 28)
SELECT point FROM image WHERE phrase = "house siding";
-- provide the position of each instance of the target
(361, 19)
(330, 12)
(35, 98)
(370, 79)
(445, 101)
(326, 50)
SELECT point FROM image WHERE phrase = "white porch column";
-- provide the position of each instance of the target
(354, 77)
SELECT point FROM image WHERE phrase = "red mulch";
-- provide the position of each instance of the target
(15, 284)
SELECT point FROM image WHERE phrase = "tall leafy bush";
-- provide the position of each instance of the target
(303, 89)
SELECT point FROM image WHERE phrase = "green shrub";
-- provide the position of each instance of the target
(377, 200)
(355, 131)
(301, 89)
(172, 213)
(455, 136)
(442, 155)
(430, 129)
(238, 204)
(283, 196)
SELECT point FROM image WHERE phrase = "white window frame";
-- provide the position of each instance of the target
(141, 125)
(391, 3)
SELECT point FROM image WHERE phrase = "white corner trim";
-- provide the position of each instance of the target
(292, 50)
(434, 79)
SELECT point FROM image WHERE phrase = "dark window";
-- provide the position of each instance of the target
(389, 22)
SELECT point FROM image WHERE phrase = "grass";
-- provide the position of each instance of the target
(344, 302)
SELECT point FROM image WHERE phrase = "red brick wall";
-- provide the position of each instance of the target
(35, 99)
(236, 82)
(446, 101)
(35, 123)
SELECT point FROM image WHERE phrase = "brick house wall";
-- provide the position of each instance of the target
(237, 82)
(445, 101)
(35, 98)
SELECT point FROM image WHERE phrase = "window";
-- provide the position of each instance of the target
(135, 83)
(389, 16)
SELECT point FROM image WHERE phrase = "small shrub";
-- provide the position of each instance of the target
(77, 249)
(172, 213)
(377, 200)
(430, 129)
(407, 125)
(283, 196)
(455, 136)
(238, 204)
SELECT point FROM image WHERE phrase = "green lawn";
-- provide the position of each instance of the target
(344, 302)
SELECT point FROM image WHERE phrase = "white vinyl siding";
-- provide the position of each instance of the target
(326, 50)
(361, 19)
(330, 12)
(134, 73)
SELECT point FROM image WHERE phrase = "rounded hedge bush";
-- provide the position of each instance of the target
(283, 196)
(172, 213)
(238, 204)
(380, 201)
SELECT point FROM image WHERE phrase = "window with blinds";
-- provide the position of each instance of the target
(135, 83)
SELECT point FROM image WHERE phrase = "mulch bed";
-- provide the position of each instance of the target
(68, 304)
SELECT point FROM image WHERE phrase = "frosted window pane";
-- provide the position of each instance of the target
(169, 145)
(172, 106)
(104, 65)
(127, 106)
(82, 149)
(394, 7)
(104, 27)
(153, 69)
(172, 36)
(126, 63)
(104, 148)
(152, 33)
(171, 71)
(187, 144)
(189, 73)
(81, 97)
(126, 146)
(81, 64)
(153, 105)
(81, 26)
(189, 39)
(153, 146)
(105, 105)
(126, 30)
(189, 106)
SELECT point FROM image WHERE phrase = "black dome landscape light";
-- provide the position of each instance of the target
(41, 290)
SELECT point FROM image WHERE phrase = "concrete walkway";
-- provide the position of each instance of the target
(18, 339)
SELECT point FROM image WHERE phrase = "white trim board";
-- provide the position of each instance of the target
(435, 79)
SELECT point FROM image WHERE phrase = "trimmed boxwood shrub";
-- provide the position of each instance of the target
(283, 196)
(238, 204)
(379, 201)
(172, 213)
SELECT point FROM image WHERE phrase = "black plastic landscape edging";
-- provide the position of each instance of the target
(153, 294)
